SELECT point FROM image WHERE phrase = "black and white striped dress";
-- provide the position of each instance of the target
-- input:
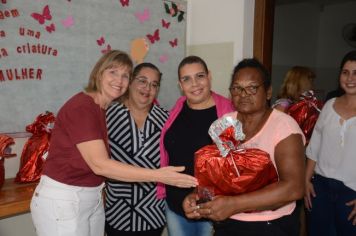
(134, 206)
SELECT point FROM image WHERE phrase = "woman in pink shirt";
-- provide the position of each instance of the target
(270, 210)
(185, 131)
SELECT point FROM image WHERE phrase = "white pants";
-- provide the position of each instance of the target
(59, 209)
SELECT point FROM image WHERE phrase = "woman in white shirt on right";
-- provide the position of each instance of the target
(330, 194)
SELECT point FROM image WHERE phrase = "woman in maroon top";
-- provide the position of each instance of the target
(68, 199)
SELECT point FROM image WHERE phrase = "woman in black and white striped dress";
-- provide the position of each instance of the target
(134, 128)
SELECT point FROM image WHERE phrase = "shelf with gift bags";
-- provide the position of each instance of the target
(14, 198)
(224, 168)
(16, 193)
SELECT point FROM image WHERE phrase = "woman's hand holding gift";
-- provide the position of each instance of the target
(191, 207)
(218, 209)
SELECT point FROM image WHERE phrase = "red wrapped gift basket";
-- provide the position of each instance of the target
(224, 168)
(35, 149)
(5, 152)
(306, 112)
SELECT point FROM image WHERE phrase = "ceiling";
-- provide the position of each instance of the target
(318, 2)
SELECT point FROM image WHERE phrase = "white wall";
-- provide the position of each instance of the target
(223, 25)
(307, 34)
(211, 21)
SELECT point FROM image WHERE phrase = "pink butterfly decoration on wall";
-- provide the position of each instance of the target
(68, 22)
(163, 58)
(143, 16)
(41, 18)
(155, 37)
(107, 49)
(165, 24)
(100, 41)
(51, 28)
(174, 43)
(124, 3)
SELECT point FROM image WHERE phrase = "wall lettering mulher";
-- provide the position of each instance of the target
(48, 48)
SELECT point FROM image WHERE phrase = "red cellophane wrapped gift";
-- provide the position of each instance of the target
(226, 169)
(306, 112)
(35, 149)
(5, 152)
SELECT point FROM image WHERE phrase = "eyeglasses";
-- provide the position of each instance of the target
(188, 80)
(249, 90)
(142, 82)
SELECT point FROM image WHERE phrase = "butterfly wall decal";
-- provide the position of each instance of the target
(143, 16)
(165, 24)
(163, 58)
(155, 37)
(51, 28)
(68, 22)
(124, 3)
(174, 43)
(41, 18)
(100, 41)
(107, 49)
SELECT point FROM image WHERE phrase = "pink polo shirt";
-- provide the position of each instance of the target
(278, 127)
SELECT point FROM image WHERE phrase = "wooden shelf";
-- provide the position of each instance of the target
(15, 198)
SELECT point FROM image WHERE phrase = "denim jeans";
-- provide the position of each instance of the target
(178, 225)
(110, 231)
(328, 216)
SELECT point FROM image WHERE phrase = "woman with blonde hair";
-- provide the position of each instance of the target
(297, 80)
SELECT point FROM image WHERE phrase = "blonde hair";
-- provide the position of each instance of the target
(296, 80)
(110, 59)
